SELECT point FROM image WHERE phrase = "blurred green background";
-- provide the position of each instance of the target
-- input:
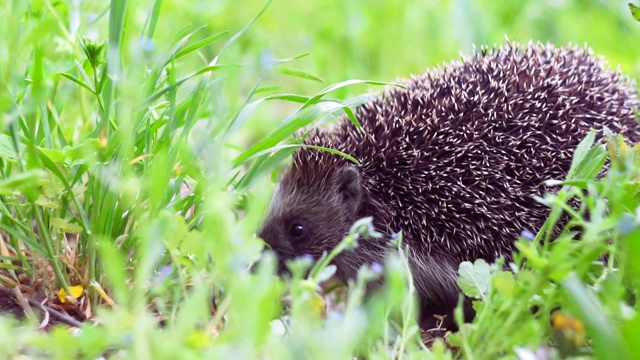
(383, 39)
(356, 39)
(386, 39)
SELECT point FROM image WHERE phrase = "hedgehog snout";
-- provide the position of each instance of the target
(275, 243)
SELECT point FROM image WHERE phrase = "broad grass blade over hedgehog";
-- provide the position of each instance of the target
(453, 161)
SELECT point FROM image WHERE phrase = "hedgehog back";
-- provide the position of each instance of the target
(454, 159)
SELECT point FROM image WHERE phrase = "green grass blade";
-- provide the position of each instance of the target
(299, 74)
(154, 15)
(114, 60)
(200, 44)
(180, 81)
(244, 29)
(86, 78)
(606, 336)
(77, 81)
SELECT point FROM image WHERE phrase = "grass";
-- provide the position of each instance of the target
(140, 140)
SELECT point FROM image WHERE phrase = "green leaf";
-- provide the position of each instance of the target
(299, 74)
(153, 97)
(94, 51)
(261, 167)
(244, 113)
(274, 138)
(592, 163)
(45, 202)
(529, 250)
(280, 61)
(87, 80)
(326, 273)
(321, 148)
(65, 226)
(475, 279)
(23, 181)
(82, 152)
(504, 283)
(77, 81)
(56, 156)
(245, 28)
(152, 20)
(580, 154)
(333, 107)
(200, 44)
(266, 89)
(301, 118)
(54, 187)
(8, 266)
(173, 52)
(56, 171)
(340, 85)
(635, 11)
(7, 150)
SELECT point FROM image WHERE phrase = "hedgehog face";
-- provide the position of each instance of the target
(311, 218)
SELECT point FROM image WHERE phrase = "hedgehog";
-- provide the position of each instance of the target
(452, 159)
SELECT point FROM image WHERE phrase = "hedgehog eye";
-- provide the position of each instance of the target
(296, 230)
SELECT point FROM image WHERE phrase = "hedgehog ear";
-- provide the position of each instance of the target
(348, 184)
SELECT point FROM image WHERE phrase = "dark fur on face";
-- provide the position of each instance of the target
(312, 219)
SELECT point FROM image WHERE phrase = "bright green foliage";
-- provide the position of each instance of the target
(591, 280)
(139, 140)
